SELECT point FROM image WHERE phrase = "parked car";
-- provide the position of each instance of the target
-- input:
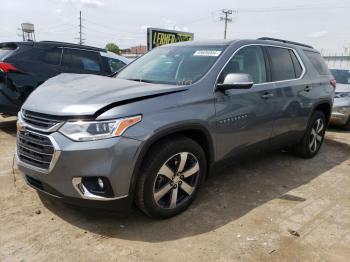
(26, 65)
(341, 106)
(170, 118)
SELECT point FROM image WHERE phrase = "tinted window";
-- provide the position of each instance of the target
(317, 62)
(297, 66)
(52, 57)
(81, 60)
(115, 65)
(282, 67)
(41, 55)
(248, 60)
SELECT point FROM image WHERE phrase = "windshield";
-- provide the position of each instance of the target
(341, 76)
(175, 65)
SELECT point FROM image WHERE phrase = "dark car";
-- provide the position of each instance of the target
(26, 65)
(153, 134)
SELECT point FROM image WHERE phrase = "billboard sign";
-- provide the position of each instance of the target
(157, 37)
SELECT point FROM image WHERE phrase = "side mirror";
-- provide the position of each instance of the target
(236, 81)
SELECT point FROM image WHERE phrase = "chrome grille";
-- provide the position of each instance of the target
(34, 149)
(40, 121)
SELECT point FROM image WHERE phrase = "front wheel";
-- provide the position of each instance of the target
(170, 177)
(313, 137)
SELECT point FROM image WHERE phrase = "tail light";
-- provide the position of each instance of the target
(6, 67)
(333, 83)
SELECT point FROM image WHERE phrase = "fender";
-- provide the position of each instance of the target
(163, 132)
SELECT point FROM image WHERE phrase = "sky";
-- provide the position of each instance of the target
(325, 24)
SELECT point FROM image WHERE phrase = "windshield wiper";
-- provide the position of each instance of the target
(140, 80)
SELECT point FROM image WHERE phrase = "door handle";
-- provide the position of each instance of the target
(307, 88)
(267, 95)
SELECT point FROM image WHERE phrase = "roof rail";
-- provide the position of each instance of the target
(284, 41)
(74, 45)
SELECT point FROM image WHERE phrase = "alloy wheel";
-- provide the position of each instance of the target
(316, 136)
(176, 180)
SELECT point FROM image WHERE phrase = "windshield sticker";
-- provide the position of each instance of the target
(207, 53)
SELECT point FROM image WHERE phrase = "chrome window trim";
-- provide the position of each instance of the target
(272, 82)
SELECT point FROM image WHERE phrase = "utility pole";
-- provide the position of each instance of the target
(226, 18)
(80, 38)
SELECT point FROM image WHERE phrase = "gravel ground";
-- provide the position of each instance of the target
(274, 208)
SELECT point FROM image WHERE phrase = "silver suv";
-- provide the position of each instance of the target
(152, 134)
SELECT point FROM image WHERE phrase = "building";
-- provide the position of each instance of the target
(134, 51)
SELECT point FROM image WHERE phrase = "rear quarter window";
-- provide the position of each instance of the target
(6, 50)
(114, 64)
(318, 62)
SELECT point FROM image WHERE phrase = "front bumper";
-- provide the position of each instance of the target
(113, 159)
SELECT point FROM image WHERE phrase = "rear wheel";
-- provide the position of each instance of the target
(171, 177)
(313, 137)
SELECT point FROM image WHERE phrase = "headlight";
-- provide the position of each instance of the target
(94, 130)
(341, 94)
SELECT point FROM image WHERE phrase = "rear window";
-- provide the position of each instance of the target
(282, 66)
(318, 62)
(6, 50)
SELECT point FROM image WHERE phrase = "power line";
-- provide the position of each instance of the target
(80, 38)
(226, 18)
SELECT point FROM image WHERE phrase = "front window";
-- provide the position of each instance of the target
(249, 60)
(175, 65)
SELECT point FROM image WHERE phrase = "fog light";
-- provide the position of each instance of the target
(100, 183)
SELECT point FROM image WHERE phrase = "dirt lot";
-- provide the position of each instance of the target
(276, 208)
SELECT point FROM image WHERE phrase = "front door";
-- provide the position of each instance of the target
(245, 116)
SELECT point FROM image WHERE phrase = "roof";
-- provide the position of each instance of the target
(55, 43)
(263, 40)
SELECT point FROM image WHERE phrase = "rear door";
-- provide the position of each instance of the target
(245, 116)
(81, 62)
(289, 102)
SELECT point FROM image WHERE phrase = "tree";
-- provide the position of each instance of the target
(112, 47)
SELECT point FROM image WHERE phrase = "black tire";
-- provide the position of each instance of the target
(167, 152)
(347, 125)
(304, 148)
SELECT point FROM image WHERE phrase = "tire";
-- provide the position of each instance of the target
(170, 177)
(347, 125)
(313, 137)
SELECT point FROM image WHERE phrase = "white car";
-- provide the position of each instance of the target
(341, 106)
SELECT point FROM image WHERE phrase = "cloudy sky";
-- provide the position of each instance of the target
(322, 23)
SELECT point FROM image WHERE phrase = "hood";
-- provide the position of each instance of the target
(342, 88)
(76, 94)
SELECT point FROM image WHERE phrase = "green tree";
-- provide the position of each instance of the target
(112, 47)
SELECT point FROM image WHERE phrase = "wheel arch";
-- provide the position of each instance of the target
(325, 107)
(197, 132)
